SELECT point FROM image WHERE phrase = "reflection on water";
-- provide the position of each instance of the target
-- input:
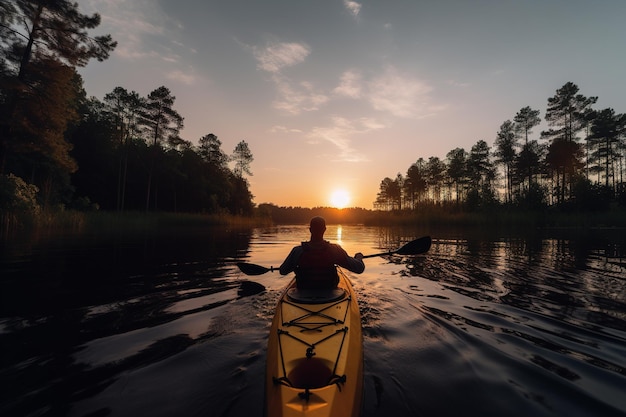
(166, 325)
(526, 313)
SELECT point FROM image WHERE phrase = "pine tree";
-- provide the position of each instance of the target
(568, 112)
(42, 44)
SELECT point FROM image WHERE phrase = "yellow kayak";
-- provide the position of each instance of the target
(315, 353)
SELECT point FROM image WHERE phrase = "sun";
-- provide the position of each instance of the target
(340, 198)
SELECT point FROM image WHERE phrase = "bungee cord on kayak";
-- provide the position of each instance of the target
(310, 325)
(314, 320)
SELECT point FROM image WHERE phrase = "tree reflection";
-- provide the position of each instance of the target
(566, 278)
(71, 293)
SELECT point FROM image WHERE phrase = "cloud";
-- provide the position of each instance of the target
(283, 129)
(353, 7)
(277, 56)
(140, 27)
(456, 83)
(340, 134)
(293, 97)
(401, 95)
(296, 98)
(371, 124)
(349, 85)
(181, 77)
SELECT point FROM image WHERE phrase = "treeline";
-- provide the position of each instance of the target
(131, 158)
(302, 215)
(577, 163)
(59, 148)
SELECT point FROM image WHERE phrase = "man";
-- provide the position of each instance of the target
(315, 261)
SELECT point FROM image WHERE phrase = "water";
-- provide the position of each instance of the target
(166, 325)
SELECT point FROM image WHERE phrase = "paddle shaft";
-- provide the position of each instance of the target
(414, 247)
(379, 254)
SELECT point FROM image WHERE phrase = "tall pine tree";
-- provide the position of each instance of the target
(567, 112)
(42, 44)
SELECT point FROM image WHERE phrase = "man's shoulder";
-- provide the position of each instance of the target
(336, 248)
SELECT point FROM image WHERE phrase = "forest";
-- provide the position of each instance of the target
(61, 149)
(578, 163)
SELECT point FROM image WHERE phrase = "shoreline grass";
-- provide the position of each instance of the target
(69, 222)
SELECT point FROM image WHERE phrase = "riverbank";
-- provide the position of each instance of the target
(507, 219)
(69, 222)
(440, 217)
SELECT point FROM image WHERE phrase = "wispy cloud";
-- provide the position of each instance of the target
(283, 129)
(295, 98)
(349, 85)
(340, 134)
(393, 92)
(277, 56)
(456, 83)
(353, 7)
(401, 95)
(140, 27)
(183, 77)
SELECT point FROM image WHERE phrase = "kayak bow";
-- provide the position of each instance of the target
(315, 353)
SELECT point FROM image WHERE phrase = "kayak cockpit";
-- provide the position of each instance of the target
(307, 296)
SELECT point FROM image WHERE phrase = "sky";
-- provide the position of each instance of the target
(336, 95)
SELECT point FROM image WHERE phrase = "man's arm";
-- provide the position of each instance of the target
(354, 264)
(291, 261)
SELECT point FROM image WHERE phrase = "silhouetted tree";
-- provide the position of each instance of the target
(606, 131)
(42, 43)
(457, 170)
(162, 123)
(242, 156)
(210, 149)
(525, 120)
(506, 142)
(435, 176)
(390, 195)
(125, 109)
(567, 111)
(415, 183)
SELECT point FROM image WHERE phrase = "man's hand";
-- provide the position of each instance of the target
(358, 256)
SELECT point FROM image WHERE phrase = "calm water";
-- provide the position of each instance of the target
(166, 325)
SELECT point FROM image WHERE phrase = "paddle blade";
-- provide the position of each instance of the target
(415, 247)
(252, 269)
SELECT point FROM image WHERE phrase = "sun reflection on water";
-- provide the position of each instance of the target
(339, 232)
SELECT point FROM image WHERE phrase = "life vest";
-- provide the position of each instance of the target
(316, 266)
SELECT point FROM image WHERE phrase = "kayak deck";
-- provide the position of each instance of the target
(315, 353)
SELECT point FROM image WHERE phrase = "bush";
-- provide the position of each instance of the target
(84, 204)
(590, 197)
(532, 198)
(18, 197)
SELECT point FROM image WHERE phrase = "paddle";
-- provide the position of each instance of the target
(414, 247)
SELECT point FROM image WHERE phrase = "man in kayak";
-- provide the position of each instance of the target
(315, 261)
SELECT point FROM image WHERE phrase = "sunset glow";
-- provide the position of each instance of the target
(340, 199)
(400, 81)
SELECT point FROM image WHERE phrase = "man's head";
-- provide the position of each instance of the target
(317, 227)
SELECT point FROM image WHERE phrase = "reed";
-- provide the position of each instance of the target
(140, 222)
(69, 222)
